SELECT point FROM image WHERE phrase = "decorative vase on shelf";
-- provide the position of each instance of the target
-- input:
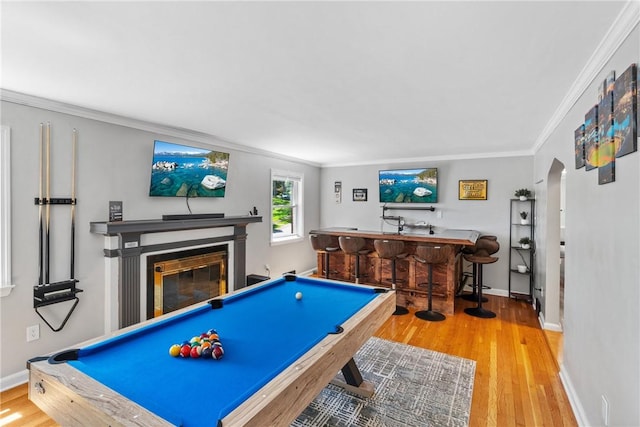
(525, 246)
(524, 218)
(523, 198)
(522, 268)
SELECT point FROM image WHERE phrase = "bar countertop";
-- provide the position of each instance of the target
(448, 236)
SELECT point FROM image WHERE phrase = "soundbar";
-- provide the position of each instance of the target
(191, 216)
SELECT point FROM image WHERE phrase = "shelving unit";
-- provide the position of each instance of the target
(521, 283)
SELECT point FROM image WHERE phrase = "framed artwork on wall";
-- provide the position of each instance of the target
(359, 194)
(472, 189)
(625, 112)
(579, 148)
(591, 138)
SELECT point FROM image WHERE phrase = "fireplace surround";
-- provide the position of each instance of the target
(128, 244)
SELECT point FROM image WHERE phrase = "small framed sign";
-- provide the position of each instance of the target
(474, 189)
(359, 194)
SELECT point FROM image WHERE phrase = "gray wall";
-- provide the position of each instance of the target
(504, 176)
(114, 164)
(602, 255)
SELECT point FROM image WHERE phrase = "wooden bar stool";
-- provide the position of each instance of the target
(354, 246)
(488, 245)
(480, 258)
(391, 250)
(325, 244)
(430, 255)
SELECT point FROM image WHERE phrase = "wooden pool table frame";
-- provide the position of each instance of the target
(73, 398)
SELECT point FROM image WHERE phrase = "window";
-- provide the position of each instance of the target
(286, 207)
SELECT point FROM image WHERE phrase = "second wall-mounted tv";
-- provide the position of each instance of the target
(184, 171)
(408, 185)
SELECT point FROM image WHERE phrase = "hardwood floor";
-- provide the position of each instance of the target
(516, 383)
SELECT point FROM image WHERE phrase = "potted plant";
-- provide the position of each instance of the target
(523, 194)
(525, 243)
(523, 218)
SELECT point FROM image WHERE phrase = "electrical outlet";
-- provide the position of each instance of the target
(439, 214)
(33, 333)
(605, 411)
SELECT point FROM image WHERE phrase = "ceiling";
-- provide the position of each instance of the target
(329, 83)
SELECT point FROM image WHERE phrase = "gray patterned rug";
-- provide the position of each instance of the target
(414, 387)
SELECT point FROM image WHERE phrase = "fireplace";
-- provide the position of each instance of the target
(127, 245)
(179, 279)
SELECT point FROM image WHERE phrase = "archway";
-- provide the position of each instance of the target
(552, 313)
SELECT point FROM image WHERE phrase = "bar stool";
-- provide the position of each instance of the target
(488, 245)
(391, 250)
(354, 246)
(326, 244)
(480, 258)
(431, 255)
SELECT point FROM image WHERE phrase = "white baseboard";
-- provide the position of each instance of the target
(491, 291)
(578, 410)
(556, 327)
(14, 380)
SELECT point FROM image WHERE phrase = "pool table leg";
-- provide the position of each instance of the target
(353, 381)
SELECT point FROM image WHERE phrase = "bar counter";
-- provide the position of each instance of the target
(411, 286)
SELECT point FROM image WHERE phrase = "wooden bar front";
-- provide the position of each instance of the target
(411, 275)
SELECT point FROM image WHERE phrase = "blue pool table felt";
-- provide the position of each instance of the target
(263, 331)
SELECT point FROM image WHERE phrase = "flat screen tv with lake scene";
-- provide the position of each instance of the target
(184, 171)
(418, 185)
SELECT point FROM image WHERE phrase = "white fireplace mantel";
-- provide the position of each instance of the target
(133, 242)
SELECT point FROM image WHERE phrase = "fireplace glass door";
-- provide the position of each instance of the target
(179, 283)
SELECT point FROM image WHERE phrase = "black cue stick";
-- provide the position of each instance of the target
(40, 219)
(74, 142)
(48, 201)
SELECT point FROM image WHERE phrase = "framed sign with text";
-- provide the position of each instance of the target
(473, 189)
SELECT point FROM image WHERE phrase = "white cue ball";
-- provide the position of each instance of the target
(298, 295)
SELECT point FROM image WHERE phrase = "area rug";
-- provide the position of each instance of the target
(414, 387)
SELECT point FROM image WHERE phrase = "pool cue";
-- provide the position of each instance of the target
(74, 143)
(41, 230)
(48, 201)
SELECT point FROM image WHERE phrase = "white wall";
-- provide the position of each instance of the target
(504, 175)
(602, 270)
(113, 164)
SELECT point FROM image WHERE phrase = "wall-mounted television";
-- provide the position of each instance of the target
(408, 185)
(184, 171)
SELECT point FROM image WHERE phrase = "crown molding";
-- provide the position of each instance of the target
(619, 31)
(156, 128)
(465, 156)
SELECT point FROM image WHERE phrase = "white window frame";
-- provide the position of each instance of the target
(297, 203)
(5, 211)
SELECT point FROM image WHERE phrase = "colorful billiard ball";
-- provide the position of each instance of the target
(206, 353)
(298, 295)
(174, 350)
(196, 352)
(217, 352)
(185, 350)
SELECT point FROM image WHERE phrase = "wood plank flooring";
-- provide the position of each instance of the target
(516, 384)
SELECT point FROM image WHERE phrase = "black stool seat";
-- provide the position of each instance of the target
(391, 250)
(326, 244)
(479, 259)
(430, 255)
(354, 246)
(485, 245)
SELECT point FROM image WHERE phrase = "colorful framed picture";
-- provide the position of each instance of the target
(359, 194)
(591, 138)
(579, 146)
(472, 189)
(625, 112)
(606, 150)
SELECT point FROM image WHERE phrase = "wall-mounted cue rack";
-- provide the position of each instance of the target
(47, 293)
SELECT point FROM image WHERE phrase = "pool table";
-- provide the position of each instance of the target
(279, 352)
